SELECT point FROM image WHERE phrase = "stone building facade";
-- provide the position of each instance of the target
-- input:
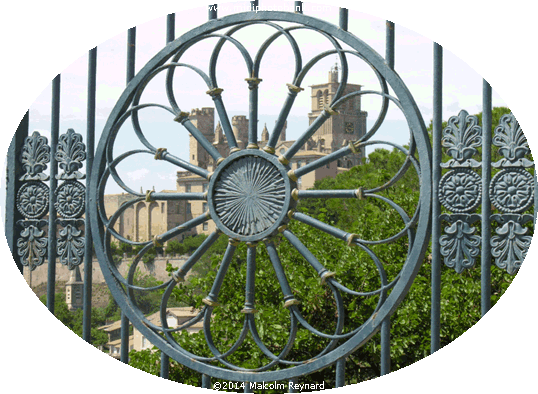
(144, 220)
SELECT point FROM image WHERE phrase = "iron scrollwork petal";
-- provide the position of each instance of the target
(70, 244)
(510, 245)
(459, 246)
(32, 244)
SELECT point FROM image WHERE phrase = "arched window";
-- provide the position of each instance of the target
(326, 96)
(320, 99)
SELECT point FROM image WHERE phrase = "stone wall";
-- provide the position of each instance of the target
(157, 268)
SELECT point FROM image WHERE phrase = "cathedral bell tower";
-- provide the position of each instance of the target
(348, 125)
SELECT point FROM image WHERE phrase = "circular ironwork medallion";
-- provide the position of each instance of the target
(249, 195)
(512, 190)
(460, 190)
(70, 199)
(33, 200)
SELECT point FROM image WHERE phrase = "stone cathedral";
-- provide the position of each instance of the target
(147, 219)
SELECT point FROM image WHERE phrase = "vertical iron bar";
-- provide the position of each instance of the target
(436, 206)
(298, 10)
(54, 133)
(343, 18)
(385, 326)
(131, 46)
(253, 115)
(88, 241)
(124, 336)
(170, 27)
(250, 280)
(212, 14)
(385, 346)
(165, 365)
(340, 372)
(389, 48)
(170, 36)
(13, 173)
(485, 273)
(206, 381)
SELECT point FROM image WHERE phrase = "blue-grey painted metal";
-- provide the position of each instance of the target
(252, 196)
(14, 172)
(90, 149)
(242, 220)
(436, 206)
(54, 135)
(461, 191)
(485, 269)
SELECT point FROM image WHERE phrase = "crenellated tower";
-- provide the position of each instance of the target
(240, 130)
(204, 120)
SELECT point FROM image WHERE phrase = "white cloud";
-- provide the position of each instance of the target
(137, 175)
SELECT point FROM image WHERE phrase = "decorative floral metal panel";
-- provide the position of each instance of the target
(33, 201)
(511, 191)
(70, 199)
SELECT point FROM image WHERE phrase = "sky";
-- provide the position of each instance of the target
(462, 85)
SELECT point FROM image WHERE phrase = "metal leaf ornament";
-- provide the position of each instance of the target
(70, 155)
(512, 143)
(32, 245)
(34, 158)
(461, 138)
(70, 246)
(460, 246)
(510, 246)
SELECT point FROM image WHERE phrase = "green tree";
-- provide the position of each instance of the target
(370, 219)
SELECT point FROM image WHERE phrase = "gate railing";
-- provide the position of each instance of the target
(50, 222)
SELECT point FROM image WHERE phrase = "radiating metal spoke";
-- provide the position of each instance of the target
(241, 216)
(179, 275)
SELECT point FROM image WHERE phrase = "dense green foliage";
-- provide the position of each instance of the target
(371, 219)
(354, 269)
(73, 319)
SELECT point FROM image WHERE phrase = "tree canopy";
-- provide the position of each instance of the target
(370, 219)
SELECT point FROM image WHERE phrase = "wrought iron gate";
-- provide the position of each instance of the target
(253, 194)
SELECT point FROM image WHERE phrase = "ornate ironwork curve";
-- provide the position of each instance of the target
(250, 198)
